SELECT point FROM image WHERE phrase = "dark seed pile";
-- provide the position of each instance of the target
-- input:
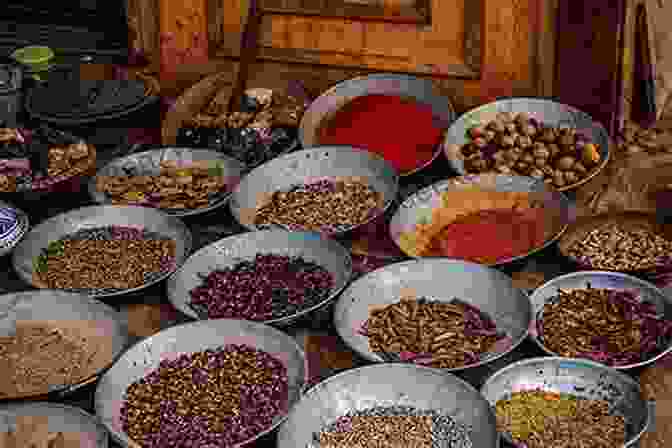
(394, 427)
(268, 287)
(214, 398)
(105, 259)
(323, 206)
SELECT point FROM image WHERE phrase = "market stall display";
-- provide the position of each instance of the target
(490, 219)
(533, 137)
(480, 303)
(400, 117)
(354, 187)
(612, 406)
(462, 418)
(179, 181)
(265, 377)
(271, 276)
(49, 425)
(90, 241)
(611, 318)
(53, 342)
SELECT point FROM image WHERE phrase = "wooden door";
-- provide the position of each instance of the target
(477, 50)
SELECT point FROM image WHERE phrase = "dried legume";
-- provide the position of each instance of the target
(424, 331)
(393, 427)
(608, 326)
(214, 398)
(105, 259)
(268, 287)
(323, 206)
(542, 419)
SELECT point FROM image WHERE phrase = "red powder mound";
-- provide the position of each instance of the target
(400, 130)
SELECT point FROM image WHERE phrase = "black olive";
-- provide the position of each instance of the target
(248, 104)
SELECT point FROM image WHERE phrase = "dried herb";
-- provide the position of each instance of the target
(430, 332)
(542, 419)
(609, 326)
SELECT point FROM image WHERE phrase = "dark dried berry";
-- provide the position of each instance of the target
(248, 104)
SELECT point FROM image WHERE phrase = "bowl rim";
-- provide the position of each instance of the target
(281, 321)
(372, 357)
(643, 283)
(607, 153)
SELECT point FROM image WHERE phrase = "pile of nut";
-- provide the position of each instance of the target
(611, 247)
(62, 159)
(518, 144)
(637, 140)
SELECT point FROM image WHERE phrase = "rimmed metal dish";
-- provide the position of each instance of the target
(100, 321)
(424, 91)
(489, 290)
(70, 222)
(389, 385)
(146, 355)
(546, 111)
(229, 251)
(311, 165)
(418, 208)
(61, 418)
(600, 279)
(578, 377)
(148, 163)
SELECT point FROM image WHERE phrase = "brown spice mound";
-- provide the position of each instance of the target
(382, 432)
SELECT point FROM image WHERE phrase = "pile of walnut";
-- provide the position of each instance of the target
(63, 158)
(268, 109)
(637, 140)
(521, 145)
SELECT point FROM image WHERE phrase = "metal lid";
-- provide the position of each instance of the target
(10, 78)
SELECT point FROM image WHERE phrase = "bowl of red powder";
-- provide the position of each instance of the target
(400, 117)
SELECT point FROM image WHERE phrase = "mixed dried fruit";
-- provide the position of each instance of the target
(520, 144)
(325, 206)
(192, 186)
(613, 327)
(543, 419)
(612, 247)
(430, 332)
(104, 259)
(217, 398)
(264, 127)
(268, 287)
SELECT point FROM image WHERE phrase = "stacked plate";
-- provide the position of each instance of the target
(13, 226)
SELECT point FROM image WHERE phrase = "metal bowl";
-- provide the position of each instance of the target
(229, 251)
(333, 162)
(61, 418)
(15, 231)
(67, 223)
(442, 279)
(146, 355)
(148, 163)
(423, 91)
(418, 208)
(547, 111)
(389, 385)
(579, 377)
(55, 305)
(600, 279)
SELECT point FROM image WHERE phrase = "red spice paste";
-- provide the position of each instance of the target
(490, 236)
(400, 130)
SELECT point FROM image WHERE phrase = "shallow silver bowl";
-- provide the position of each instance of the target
(547, 111)
(308, 166)
(229, 251)
(578, 377)
(146, 355)
(70, 222)
(56, 305)
(148, 163)
(424, 91)
(389, 385)
(61, 418)
(600, 279)
(442, 279)
(417, 209)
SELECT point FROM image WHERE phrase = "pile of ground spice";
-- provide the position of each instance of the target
(401, 130)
